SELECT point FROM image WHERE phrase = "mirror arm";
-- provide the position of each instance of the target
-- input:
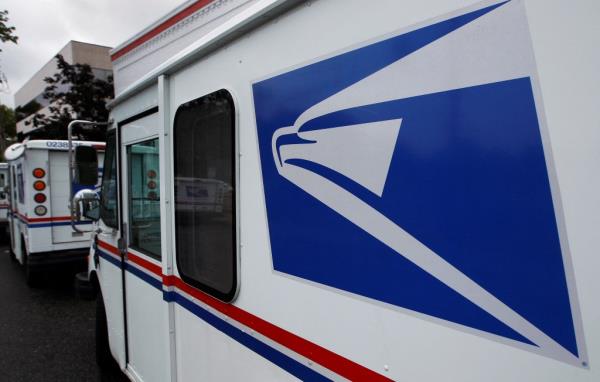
(72, 165)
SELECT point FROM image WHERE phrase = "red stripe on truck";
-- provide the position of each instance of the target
(160, 28)
(332, 361)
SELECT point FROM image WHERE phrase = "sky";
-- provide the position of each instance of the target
(45, 26)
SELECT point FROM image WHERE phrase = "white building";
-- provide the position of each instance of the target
(74, 52)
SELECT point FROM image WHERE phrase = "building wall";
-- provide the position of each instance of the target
(96, 56)
(36, 84)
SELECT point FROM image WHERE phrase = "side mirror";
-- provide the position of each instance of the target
(87, 204)
(86, 166)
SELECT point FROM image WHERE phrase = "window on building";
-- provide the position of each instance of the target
(108, 196)
(205, 194)
(144, 197)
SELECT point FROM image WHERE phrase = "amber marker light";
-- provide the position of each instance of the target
(39, 173)
(39, 185)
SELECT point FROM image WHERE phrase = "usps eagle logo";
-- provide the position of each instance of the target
(415, 170)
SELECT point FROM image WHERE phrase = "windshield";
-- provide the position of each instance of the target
(108, 197)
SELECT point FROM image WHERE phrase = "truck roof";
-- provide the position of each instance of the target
(15, 150)
(168, 36)
(186, 34)
(164, 22)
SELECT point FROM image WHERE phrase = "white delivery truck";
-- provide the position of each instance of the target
(41, 233)
(3, 198)
(348, 190)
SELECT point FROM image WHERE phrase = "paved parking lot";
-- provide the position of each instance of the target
(46, 333)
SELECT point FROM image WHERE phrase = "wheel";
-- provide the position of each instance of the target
(11, 254)
(32, 276)
(103, 357)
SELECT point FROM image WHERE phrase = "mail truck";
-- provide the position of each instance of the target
(39, 193)
(351, 190)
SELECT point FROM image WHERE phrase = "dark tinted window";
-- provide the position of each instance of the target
(14, 186)
(20, 184)
(86, 166)
(204, 149)
(108, 197)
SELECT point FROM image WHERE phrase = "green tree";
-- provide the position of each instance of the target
(31, 107)
(7, 128)
(74, 93)
(7, 34)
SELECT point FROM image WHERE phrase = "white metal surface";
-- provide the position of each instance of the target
(146, 310)
(140, 54)
(60, 200)
(392, 341)
(49, 232)
(4, 195)
(245, 19)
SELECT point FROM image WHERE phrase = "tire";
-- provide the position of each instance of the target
(11, 253)
(103, 356)
(32, 276)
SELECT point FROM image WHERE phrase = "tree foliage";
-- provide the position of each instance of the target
(7, 121)
(7, 128)
(7, 34)
(31, 107)
(73, 93)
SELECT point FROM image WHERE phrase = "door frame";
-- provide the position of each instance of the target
(123, 234)
(12, 209)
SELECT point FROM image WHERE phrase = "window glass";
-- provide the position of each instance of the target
(108, 195)
(144, 197)
(205, 230)
(14, 185)
(20, 184)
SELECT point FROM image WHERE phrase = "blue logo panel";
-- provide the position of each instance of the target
(427, 196)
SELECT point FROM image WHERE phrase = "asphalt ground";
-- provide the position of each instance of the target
(46, 333)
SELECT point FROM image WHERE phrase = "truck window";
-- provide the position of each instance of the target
(108, 197)
(144, 197)
(205, 223)
(20, 184)
(14, 186)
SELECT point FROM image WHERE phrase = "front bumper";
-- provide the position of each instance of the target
(58, 259)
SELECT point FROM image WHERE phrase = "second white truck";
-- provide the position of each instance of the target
(39, 195)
